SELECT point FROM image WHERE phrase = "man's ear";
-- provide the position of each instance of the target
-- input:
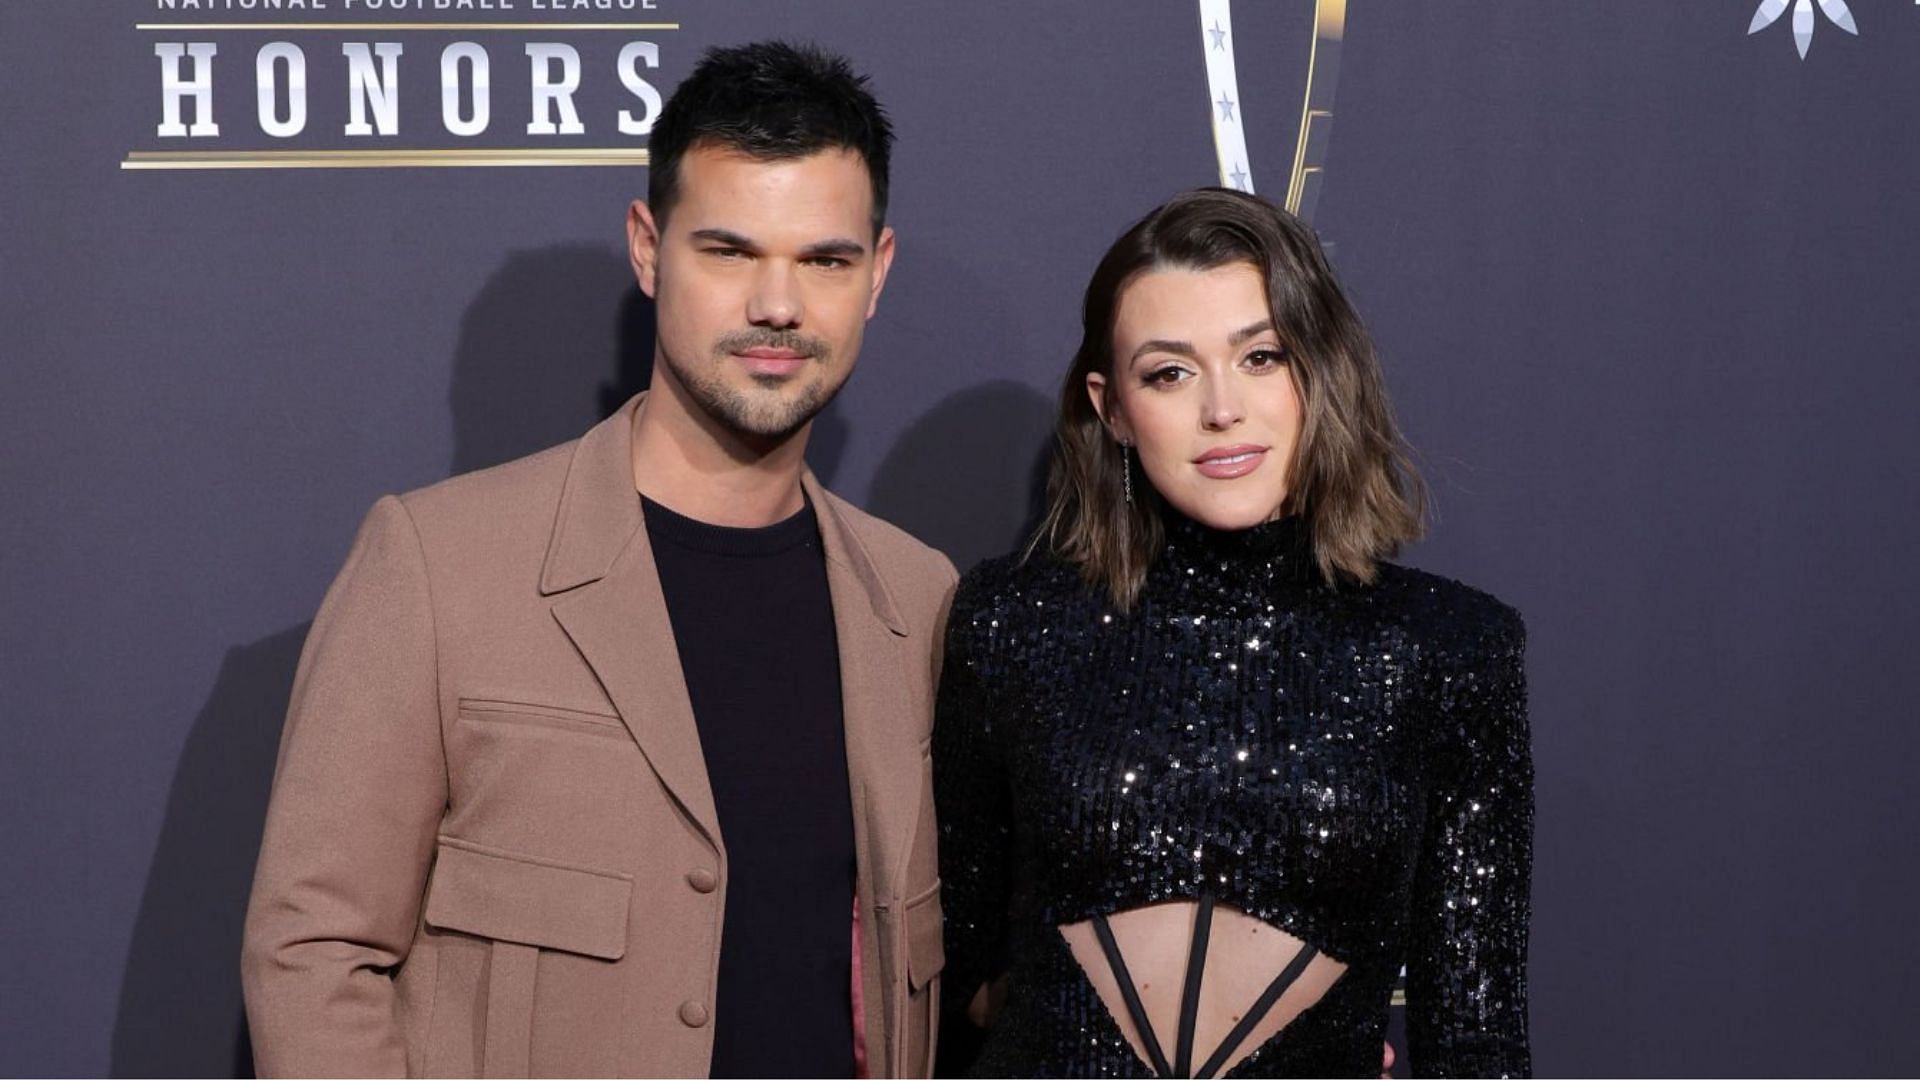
(643, 246)
(882, 262)
(1099, 391)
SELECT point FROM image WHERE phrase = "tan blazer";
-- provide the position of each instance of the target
(492, 848)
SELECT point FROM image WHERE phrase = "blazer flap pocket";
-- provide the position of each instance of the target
(926, 951)
(555, 717)
(505, 897)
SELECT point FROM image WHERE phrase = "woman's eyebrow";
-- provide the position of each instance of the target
(1185, 348)
(1179, 348)
(1248, 333)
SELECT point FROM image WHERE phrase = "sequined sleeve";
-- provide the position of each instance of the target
(974, 810)
(1466, 968)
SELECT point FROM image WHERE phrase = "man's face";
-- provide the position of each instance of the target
(762, 281)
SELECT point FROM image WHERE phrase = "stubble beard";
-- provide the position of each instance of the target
(775, 409)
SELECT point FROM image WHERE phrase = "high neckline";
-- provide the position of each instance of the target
(1282, 548)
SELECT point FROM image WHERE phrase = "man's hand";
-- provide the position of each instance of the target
(1386, 1063)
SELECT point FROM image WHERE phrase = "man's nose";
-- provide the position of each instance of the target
(776, 300)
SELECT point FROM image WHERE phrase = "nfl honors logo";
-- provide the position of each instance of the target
(251, 95)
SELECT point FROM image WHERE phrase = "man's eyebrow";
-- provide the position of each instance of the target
(840, 246)
(723, 236)
(1246, 334)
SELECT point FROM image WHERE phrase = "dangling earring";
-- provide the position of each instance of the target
(1126, 471)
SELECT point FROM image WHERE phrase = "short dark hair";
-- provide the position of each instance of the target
(775, 101)
(1353, 481)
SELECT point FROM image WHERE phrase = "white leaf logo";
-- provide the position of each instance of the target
(1769, 12)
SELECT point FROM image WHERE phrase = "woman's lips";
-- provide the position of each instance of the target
(1230, 461)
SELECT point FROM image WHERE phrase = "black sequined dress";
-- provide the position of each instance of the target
(1349, 764)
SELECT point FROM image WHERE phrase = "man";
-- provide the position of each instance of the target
(612, 760)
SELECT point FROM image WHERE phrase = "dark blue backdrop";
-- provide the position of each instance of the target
(1644, 286)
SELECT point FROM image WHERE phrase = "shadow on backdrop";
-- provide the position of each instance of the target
(180, 1001)
(555, 340)
(970, 476)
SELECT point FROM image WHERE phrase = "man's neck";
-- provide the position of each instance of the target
(687, 462)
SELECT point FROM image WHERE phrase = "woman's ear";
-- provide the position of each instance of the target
(1099, 391)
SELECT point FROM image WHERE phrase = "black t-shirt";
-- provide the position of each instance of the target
(753, 622)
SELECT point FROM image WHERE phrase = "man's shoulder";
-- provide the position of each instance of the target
(527, 486)
(896, 553)
(479, 530)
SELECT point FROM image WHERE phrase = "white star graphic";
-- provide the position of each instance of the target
(1226, 106)
(1239, 178)
(1219, 35)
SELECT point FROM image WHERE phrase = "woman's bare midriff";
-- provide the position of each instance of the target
(1243, 957)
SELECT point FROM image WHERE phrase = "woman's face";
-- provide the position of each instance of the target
(1203, 390)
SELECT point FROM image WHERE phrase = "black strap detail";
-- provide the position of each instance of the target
(1132, 996)
(1190, 994)
(1259, 1011)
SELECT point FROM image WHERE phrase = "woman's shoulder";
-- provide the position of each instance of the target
(1020, 579)
(1017, 593)
(1446, 610)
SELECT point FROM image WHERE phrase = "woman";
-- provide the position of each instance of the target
(1209, 770)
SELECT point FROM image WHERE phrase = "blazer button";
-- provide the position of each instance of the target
(693, 1014)
(702, 880)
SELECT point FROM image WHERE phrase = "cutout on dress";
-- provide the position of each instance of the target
(1243, 981)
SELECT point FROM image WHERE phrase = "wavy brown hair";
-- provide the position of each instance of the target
(1351, 474)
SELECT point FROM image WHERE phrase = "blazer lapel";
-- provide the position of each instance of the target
(600, 568)
(882, 748)
(611, 607)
